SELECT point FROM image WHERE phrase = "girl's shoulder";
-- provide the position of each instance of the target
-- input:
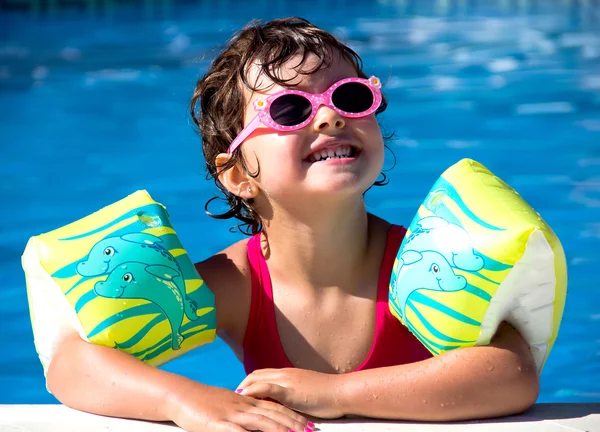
(227, 275)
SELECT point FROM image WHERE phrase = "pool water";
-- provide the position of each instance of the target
(93, 106)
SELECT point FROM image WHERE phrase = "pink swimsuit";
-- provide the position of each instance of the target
(393, 344)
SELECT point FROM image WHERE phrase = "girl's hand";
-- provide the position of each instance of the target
(313, 393)
(201, 408)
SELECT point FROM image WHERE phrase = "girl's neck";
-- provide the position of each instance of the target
(321, 249)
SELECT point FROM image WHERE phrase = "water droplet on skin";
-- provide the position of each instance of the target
(519, 368)
(424, 401)
(490, 367)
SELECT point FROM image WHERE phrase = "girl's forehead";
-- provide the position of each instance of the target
(297, 76)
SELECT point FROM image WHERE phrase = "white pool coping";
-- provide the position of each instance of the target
(542, 417)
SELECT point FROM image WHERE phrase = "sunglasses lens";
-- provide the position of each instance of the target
(352, 97)
(290, 110)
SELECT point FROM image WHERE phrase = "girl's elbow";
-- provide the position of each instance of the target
(524, 392)
(532, 389)
(522, 378)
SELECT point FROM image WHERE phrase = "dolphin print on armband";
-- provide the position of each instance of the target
(139, 267)
(424, 270)
(155, 283)
(448, 239)
(109, 252)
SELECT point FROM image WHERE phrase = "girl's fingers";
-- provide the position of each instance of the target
(229, 427)
(276, 407)
(263, 390)
(259, 375)
(260, 421)
(295, 423)
(248, 381)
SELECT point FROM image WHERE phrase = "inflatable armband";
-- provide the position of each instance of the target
(122, 279)
(477, 254)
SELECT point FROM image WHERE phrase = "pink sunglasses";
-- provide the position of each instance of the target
(290, 110)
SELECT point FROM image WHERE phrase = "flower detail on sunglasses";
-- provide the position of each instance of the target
(375, 82)
(260, 104)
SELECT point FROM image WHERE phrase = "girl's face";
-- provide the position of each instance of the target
(293, 164)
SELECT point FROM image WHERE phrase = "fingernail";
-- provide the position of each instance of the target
(239, 390)
(311, 425)
(307, 429)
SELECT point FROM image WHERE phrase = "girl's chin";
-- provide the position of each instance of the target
(346, 186)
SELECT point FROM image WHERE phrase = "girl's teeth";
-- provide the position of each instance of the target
(338, 152)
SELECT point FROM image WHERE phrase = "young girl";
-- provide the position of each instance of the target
(287, 118)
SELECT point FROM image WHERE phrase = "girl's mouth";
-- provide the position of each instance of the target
(344, 151)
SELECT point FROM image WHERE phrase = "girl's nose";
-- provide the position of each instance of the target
(327, 118)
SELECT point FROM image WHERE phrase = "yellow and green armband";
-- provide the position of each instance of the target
(122, 279)
(477, 254)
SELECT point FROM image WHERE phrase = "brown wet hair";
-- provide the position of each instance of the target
(217, 105)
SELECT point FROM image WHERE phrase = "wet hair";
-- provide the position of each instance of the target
(217, 105)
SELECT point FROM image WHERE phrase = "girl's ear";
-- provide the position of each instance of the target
(235, 179)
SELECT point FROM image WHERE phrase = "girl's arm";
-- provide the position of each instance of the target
(106, 381)
(478, 382)
(485, 381)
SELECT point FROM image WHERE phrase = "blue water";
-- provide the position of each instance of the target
(93, 107)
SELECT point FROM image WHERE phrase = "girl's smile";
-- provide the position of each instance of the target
(335, 150)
